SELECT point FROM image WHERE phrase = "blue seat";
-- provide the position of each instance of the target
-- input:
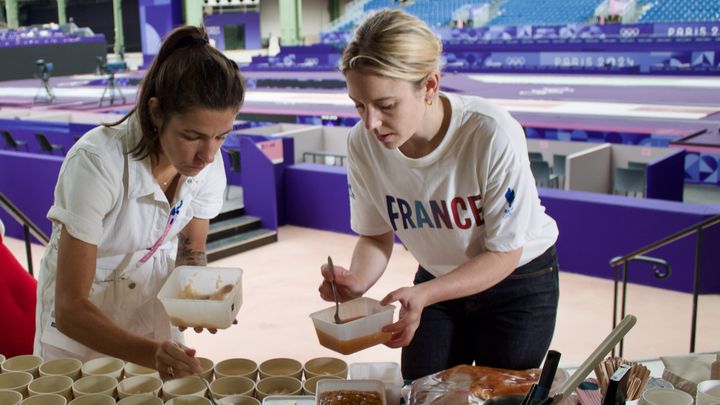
(535, 156)
(558, 168)
(13, 143)
(542, 173)
(627, 181)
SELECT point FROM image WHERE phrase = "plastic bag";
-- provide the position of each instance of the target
(470, 385)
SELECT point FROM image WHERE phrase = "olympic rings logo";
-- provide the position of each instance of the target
(629, 32)
(515, 61)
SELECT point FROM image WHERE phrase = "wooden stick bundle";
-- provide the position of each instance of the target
(639, 376)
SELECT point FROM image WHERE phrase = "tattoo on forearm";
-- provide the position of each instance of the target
(185, 254)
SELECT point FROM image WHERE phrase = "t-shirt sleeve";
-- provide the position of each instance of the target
(509, 196)
(209, 198)
(85, 192)
(365, 217)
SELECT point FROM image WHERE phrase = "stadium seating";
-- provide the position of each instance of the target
(682, 10)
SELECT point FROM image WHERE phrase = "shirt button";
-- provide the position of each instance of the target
(131, 286)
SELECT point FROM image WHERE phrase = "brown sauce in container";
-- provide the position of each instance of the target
(348, 397)
(352, 345)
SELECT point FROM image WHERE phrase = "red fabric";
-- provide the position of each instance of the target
(17, 300)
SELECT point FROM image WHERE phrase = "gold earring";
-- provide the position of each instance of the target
(429, 101)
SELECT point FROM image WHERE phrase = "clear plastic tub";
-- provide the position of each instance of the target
(207, 297)
(289, 400)
(362, 386)
(386, 372)
(363, 319)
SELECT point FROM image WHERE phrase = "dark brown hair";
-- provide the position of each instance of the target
(187, 73)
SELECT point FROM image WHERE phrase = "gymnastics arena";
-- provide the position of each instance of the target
(619, 101)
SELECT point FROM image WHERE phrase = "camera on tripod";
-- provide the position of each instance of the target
(105, 67)
(45, 93)
(109, 67)
(44, 68)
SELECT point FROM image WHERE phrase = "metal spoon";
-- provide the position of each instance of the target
(207, 392)
(334, 291)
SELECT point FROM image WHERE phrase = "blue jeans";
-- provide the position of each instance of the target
(510, 325)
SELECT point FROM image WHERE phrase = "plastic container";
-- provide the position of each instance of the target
(388, 373)
(351, 385)
(365, 320)
(195, 296)
(289, 400)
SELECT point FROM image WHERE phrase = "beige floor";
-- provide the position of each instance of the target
(280, 291)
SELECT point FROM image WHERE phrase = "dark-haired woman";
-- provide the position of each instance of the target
(133, 200)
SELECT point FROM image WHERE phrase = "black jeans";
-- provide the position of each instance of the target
(507, 326)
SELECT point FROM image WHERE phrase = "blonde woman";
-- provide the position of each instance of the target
(450, 176)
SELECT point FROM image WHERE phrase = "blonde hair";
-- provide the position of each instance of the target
(395, 44)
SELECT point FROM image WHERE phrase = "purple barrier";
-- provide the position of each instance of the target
(569, 31)
(317, 197)
(28, 180)
(665, 177)
(594, 228)
(59, 133)
(260, 184)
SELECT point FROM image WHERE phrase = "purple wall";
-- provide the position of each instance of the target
(317, 197)
(28, 180)
(594, 228)
(157, 19)
(259, 184)
(59, 133)
(216, 23)
(666, 177)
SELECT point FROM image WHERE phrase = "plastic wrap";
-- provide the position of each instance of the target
(469, 385)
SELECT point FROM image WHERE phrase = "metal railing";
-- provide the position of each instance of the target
(29, 228)
(324, 156)
(638, 255)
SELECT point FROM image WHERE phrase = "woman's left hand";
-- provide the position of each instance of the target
(412, 301)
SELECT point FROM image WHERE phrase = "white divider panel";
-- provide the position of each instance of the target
(590, 169)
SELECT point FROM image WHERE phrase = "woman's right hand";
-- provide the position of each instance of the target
(347, 284)
(174, 360)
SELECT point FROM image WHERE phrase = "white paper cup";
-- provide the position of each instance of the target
(325, 366)
(665, 396)
(93, 399)
(9, 397)
(207, 368)
(141, 400)
(277, 386)
(67, 367)
(281, 367)
(237, 367)
(189, 400)
(52, 384)
(185, 386)
(708, 392)
(95, 384)
(104, 366)
(310, 384)
(132, 370)
(16, 381)
(238, 400)
(236, 385)
(45, 399)
(139, 385)
(2, 359)
(26, 363)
